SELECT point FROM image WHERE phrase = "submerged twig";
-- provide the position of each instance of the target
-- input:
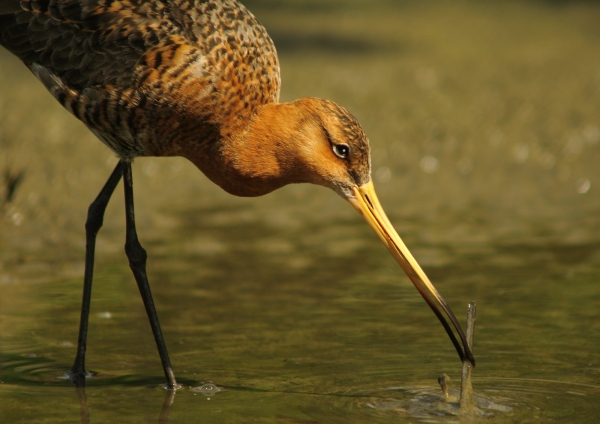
(444, 382)
(467, 402)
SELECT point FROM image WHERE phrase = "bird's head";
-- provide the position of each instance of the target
(331, 148)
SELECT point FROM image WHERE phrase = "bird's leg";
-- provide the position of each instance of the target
(137, 261)
(92, 226)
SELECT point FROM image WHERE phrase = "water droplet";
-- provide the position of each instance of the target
(383, 174)
(430, 164)
(207, 389)
(583, 185)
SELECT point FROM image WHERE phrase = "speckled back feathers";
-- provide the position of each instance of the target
(205, 65)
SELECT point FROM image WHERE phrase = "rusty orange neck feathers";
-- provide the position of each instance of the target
(287, 143)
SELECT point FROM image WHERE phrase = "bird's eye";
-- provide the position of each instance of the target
(341, 150)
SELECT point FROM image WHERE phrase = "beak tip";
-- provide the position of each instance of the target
(467, 355)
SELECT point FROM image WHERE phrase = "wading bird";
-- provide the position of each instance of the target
(198, 79)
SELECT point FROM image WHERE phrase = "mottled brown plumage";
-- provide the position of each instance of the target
(198, 79)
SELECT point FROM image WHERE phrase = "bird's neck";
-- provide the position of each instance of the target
(264, 155)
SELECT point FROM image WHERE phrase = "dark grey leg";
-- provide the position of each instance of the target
(137, 261)
(92, 226)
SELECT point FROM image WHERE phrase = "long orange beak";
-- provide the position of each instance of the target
(366, 203)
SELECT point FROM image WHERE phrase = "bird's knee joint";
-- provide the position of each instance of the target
(135, 252)
(95, 219)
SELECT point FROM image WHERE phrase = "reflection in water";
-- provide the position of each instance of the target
(163, 417)
(166, 407)
(83, 408)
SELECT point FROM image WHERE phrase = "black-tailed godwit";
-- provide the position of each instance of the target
(198, 79)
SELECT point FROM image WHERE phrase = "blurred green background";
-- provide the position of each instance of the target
(483, 112)
(484, 122)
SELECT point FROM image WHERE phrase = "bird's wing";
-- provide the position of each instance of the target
(99, 42)
(123, 66)
(85, 42)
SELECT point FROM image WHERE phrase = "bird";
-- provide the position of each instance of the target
(198, 79)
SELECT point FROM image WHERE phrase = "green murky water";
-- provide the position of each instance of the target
(484, 122)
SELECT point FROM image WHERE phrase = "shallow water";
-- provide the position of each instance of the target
(484, 124)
